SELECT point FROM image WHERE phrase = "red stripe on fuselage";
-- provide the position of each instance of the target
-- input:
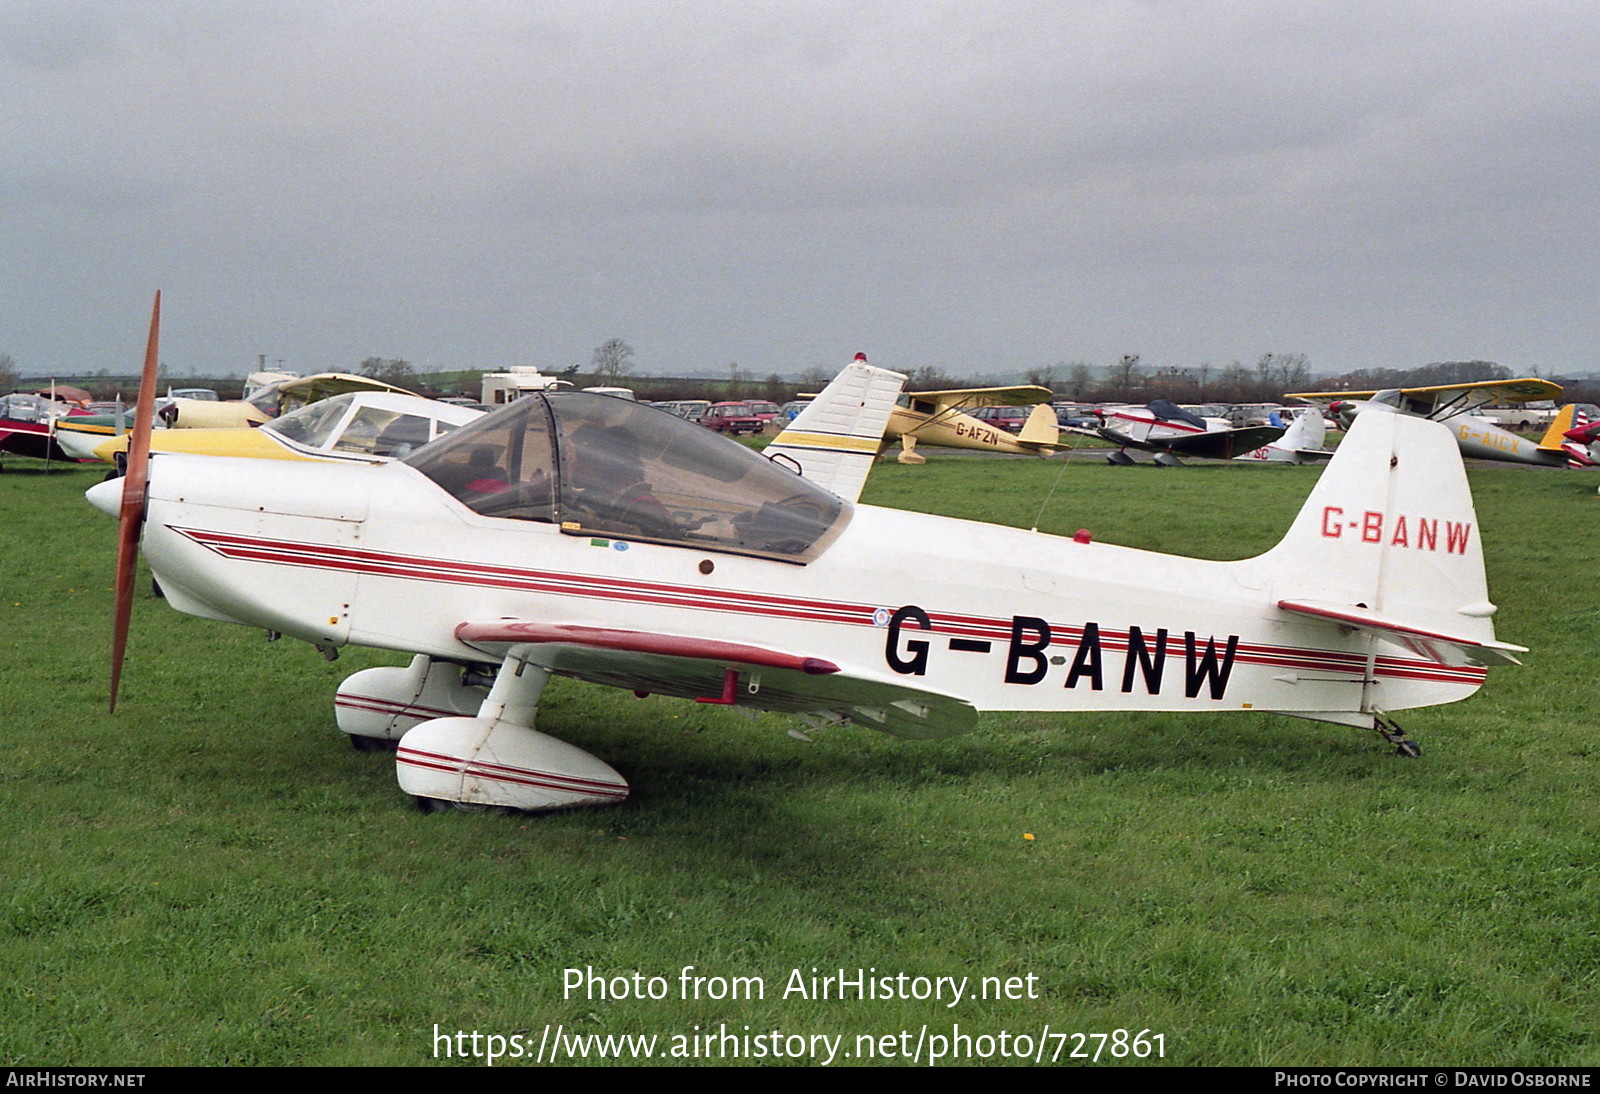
(769, 605)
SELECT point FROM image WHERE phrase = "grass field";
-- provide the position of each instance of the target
(212, 876)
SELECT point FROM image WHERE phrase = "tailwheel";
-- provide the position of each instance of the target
(1403, 745)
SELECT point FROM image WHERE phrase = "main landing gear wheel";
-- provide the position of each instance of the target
(497, 759)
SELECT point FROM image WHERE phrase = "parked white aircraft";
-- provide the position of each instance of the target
(1300, 443)
(579, 535)
(1170, 432)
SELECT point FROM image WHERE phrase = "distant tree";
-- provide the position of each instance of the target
(1125, 375)
(1440, 372)
(1045, 376)
(1234, 385)
(1456, 372)
(1080, 379)
(1174, 384)
(388, 370)
(814, 379)
(1280, 372)
(8, 373)
(613, 358)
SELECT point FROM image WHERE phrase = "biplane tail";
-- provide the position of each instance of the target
(1555, 439)
(1388, 544)
(834, 440)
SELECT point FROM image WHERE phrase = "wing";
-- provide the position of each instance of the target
(728, 673)
(960, 398)
(1323, 398)
(1480, 393)
(311, 388)
(1222, 444)
(1219, 444)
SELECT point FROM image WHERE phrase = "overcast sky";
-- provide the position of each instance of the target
(976, 186)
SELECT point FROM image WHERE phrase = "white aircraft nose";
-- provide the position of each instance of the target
(106, 496)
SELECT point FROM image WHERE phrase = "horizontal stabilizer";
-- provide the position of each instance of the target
(1446, 649)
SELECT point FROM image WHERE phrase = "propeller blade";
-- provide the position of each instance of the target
(133, 497)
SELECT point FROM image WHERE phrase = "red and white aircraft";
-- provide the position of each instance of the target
(584, 536)
(1170, 432)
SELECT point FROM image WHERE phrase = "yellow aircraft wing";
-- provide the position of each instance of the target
(1482, 392)
(958, 398)
(308, 389)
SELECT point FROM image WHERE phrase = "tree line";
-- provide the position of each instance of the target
(1129, 379)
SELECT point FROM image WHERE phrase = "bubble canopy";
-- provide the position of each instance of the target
(598, 465)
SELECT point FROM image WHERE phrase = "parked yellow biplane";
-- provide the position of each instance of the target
(1457, 406)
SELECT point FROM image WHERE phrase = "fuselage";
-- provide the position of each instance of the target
(1010, 620)
(1478, 438)
(1482, 439)
(952, 429)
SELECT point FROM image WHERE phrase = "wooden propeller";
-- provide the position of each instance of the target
(131, 516)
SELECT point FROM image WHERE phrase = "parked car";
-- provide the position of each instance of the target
(1075, 416)
(733, 418)
(767, 412)
(1009, 418)
(1245, 414)
(687, 409)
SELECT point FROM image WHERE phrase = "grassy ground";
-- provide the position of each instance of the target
(212, 876)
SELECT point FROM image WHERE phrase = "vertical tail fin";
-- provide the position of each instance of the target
(1554, 437)
(1307, 432)
(1041, 426)
(1388, 543)
(834, 440)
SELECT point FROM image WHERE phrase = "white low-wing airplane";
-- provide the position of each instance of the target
(1170, 431)
(578, 535)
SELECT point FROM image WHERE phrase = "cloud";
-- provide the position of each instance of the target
(1185, 179)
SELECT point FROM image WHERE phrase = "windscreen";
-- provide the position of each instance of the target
(312, 425)
(596, 465)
